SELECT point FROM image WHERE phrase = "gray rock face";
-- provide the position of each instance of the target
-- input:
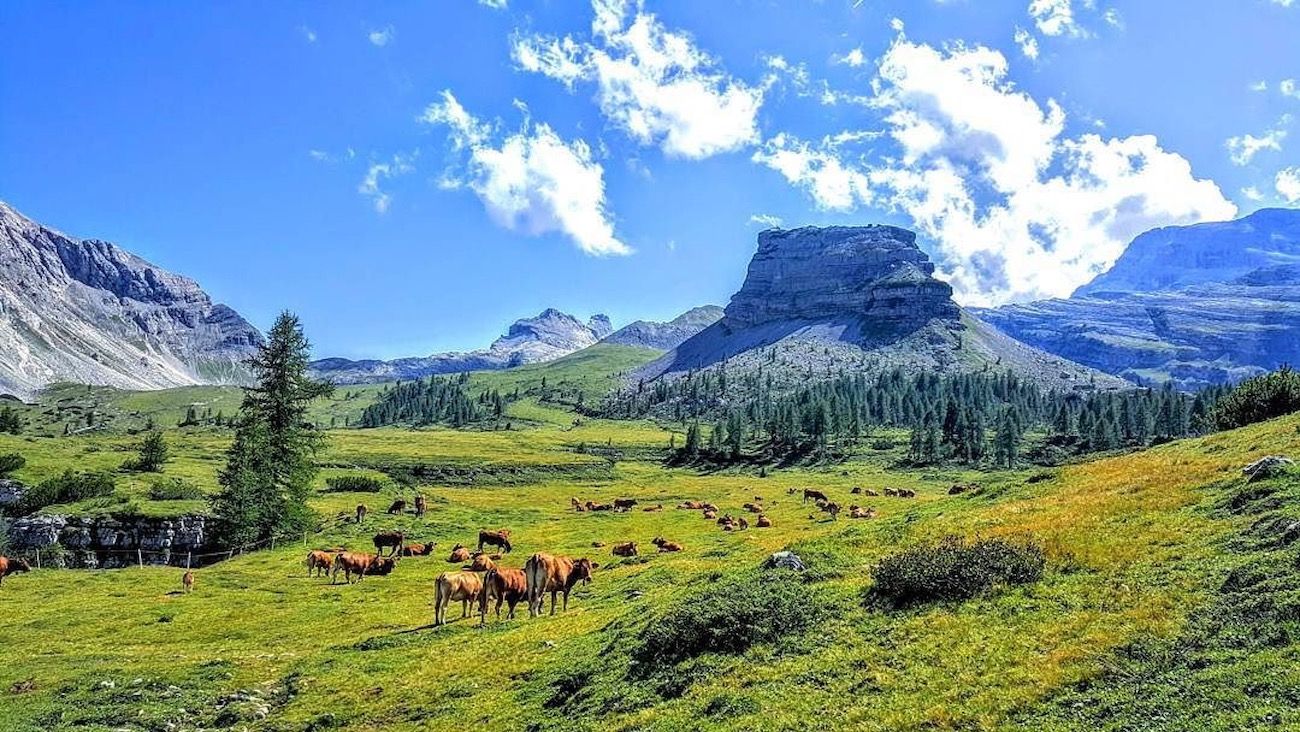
(85, 310)
(1198, 305)
(665, 336)
(107, 542)
(548, 336)
(1269, 466)
(11, 492)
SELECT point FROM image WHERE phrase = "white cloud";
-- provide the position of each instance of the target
(651, 82)
(494, 4)
(1287, 184)
(1055, 18)
(853, 58)
(1259, 86)
(1243, 148)
(320, 156)
(308, 34)
(532, 181)
(766, 220)
(1284, 3)
(1028, 44)
(377, 172)
(896, 24)
(1014, 208)
(1289, 88)
(381, 36)
(1252, 193)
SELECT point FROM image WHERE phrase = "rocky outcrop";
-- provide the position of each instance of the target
(105, 542)
(11, 492)
(1198, 305)
(665, 336)
(84, 310)
(820, 301)
(546, 337)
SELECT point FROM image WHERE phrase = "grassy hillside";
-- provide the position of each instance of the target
(1128, 628)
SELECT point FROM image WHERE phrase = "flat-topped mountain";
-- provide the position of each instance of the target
(1203, 304)
(665, 336)
(87, 311)
(816, 301)
(546, 337)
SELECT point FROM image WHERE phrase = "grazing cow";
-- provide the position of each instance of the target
(764, 522)
(451, 586)
(870, 492)
(481, 563)
(549, 573)
(390, 539)
(399, 506)
(624, 504)
(418, 550)
(504, 585)
(906, 493)
(500, 538)
(420, 505)
(361, 512)
(654, 509)
(12, 566)
(360, 564)
(626, 549)
(599, 506)
(815, 495)
(742, 523)
(319, 562)
(665, 545)
(459, 554)
(832, 508)
(187, 581)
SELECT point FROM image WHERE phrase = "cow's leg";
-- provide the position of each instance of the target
(566, 600)
(553, 593)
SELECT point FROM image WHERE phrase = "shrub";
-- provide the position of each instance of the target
(353, 484)
(152, 455)
(953, 570)
(11, 463)
(729, 616)
(67, 488)
(1258, 399)
(174, 489)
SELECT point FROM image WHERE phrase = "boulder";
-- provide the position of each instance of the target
(11, 492)
(1267, 467)
(785, 560)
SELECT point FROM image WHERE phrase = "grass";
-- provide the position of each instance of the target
(1138, 549)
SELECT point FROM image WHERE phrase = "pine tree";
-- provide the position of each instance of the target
(152, 453)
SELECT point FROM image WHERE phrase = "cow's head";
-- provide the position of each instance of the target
(658, 541)
(19, 565)
(582, 569)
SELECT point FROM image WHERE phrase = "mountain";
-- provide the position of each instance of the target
(1204, 304)
(84, 310)
(548, 336)
(816, 301)
(666, 336)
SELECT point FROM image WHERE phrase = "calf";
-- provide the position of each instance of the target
(392, 540)
(12, 566)
(549, 573)
(815, 495)
(665, 545)
(505, 585)
(452, 586)
(399, 506)
(361, 512)
(319, 562)
(626, 549)
(459, 554)
(187, 582)
(500, 538)
(360, 564)
(624, 504)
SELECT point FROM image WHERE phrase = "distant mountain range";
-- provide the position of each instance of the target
(85, 310)
(1203, 304)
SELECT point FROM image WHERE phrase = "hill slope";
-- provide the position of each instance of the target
(85, 310)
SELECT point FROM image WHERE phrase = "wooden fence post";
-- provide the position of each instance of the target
(38, 557)
(189, 558)
(139, 557)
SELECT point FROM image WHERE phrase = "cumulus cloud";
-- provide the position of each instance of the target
(1028, 44)
(1055, 18)
(853, 58)
(381, 36)
(1015, 208)
(1243, 148)
(653, 83)
(1252, 193)
(531, 181)
(378, 172)
(1287, 184)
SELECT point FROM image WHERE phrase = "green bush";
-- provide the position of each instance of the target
(1258, 399)
(174, 489)
(953, 570)
(67, 488)
(353, 484)
(11, 463)
(729, 616)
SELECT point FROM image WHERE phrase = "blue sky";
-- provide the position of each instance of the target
(411, 176)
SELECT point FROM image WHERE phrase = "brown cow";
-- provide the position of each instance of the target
(399, 506)
(451, 586)
(708, 506)
(626, 549)
(361, 512)
(727, 519)
(319, 562)
(504, 585)
(690, 505)
(832, 508)
(361, 565)
(815, 495)
(869, 492)
(420, 505)
(187, 581)
(12, 566)
(764, 522)
(655, 508)
(858, 512)
(500, 538)
(599, 506)
(710, 515)
(906, 493)
(891, 492)
(624, 504)
(481, 563)
(742, 523)
(577, 506)
(549, 573)
(665, 545)
(391, 539)
(752, 508)
(418, 550)
(459, 554)
(857, 489)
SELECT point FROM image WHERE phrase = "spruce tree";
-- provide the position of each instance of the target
(152, 453)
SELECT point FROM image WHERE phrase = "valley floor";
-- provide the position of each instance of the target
(1136, 544)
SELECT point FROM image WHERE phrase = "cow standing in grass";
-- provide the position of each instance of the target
(319, 562)
(504, 585)
(548, 573)
(392, 540)
(187, 581)
(420, 506)
(12, 566)
(499, 538)
(452, 586)
(361, 512)
(360, 564)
